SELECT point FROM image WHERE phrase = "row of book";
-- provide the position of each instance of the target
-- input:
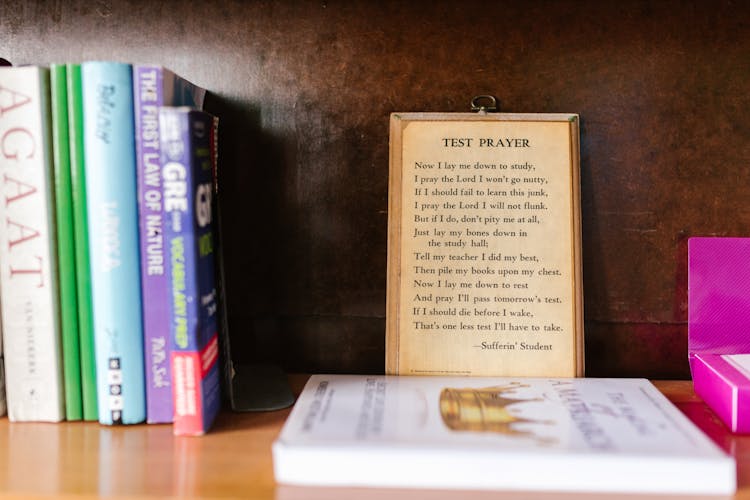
(107, 269)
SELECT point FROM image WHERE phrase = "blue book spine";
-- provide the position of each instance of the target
(187, 174)
(155, 86)
(109, 152)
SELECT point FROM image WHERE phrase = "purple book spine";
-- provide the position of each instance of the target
(153, 87)
(149, 96)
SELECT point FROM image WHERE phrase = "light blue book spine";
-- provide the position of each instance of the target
(109, 150)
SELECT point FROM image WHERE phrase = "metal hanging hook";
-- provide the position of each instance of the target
(484, 103)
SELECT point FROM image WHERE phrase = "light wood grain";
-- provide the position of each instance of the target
(86, 460)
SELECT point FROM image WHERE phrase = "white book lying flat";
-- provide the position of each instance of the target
(588, 435)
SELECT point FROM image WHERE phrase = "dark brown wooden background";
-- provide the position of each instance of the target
(304, 90)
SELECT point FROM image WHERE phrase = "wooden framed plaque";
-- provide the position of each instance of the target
(484, 252)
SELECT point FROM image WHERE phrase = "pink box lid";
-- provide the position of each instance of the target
(718, 296)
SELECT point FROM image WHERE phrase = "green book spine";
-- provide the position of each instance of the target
(65, 244)
(80, 228)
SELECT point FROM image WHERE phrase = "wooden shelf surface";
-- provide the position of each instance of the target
(86, 460)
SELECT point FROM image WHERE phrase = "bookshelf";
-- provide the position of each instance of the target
(304, 91)
(85, 460)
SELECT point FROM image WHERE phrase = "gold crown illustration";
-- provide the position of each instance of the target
(486, 410)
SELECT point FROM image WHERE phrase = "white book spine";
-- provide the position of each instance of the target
(28, 274)
(2, 376)
(473, 433)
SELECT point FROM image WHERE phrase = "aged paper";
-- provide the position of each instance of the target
(484, 246)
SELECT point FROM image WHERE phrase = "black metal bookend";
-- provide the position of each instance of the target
(259, 387)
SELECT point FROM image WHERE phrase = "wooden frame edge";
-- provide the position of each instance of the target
(393, 274)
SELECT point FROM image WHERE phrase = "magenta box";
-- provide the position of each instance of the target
(719, 326)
